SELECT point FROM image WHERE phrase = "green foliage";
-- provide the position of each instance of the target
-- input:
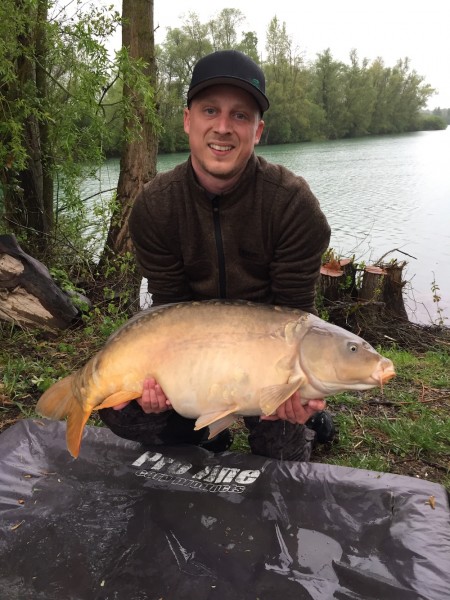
(324, 100)
(22, 372)
(432, 123)
(13, 25)
(104, 322)
(443, 113)
(77, 294)
(59, 85)
(142, 96)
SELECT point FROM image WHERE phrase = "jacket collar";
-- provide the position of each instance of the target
(229, 198)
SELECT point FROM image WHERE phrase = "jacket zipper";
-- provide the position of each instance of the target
(219, 247)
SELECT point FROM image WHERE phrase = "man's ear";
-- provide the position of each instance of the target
(259, 131)
(186, 120)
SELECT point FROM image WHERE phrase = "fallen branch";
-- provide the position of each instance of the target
(395, 250)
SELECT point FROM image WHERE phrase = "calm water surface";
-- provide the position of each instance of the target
(381, 195)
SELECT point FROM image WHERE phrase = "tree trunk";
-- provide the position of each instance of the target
(42, 93)
(138, 160)
(29, 193)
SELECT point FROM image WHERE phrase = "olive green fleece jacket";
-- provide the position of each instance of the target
(262, 241)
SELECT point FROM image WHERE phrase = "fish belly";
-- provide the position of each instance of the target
(229, 376)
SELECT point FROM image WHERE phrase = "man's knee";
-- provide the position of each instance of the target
(280, 440)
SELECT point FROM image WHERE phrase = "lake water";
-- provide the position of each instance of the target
(387, 194)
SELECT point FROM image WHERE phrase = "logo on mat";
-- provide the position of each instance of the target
(211, 478)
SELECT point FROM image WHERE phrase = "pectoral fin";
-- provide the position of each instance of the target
(216, 422)
(117, 398)
(272, 396)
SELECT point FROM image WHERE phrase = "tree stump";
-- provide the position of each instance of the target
(349, 268)
(337, 279)
(393, 289)
(28, 294)
(383, 285)
(373, 282)
(330, 279)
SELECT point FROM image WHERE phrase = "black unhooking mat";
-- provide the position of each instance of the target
(127, 523)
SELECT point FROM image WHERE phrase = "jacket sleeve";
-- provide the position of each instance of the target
(302, 235)
(153, 233)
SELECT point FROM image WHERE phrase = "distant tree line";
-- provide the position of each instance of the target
(325, 99)
(439, 118)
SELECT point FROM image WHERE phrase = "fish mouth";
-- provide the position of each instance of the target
(388, 374)
(384, 373)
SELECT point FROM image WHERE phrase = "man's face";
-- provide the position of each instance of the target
(223, 124)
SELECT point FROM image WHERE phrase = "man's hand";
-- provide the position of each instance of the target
(153, 399)
(295, 412)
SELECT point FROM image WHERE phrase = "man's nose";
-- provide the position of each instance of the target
(223, 123)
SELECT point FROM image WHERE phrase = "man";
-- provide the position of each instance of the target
(227, 224)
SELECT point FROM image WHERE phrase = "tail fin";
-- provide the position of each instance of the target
(59, 402)
(56, 403)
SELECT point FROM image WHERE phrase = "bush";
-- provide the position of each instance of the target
(433, 123)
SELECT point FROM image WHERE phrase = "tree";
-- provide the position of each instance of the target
(175, 59)
(330, 94)
(412, 97)
(138, 160)
(223, 29)
(380, 122)
(288, 81)
(359, 96)
(26, 175)
(53, 70)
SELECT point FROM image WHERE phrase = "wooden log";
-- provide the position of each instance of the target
(28, 294)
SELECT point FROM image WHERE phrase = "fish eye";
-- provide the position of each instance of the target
(353, 347)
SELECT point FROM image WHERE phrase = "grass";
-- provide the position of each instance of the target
(403, 429)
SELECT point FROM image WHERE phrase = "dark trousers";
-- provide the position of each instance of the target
(275, 439)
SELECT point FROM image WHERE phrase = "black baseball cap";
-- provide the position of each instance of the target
(229, 67)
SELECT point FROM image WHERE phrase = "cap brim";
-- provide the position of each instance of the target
(260, 98)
